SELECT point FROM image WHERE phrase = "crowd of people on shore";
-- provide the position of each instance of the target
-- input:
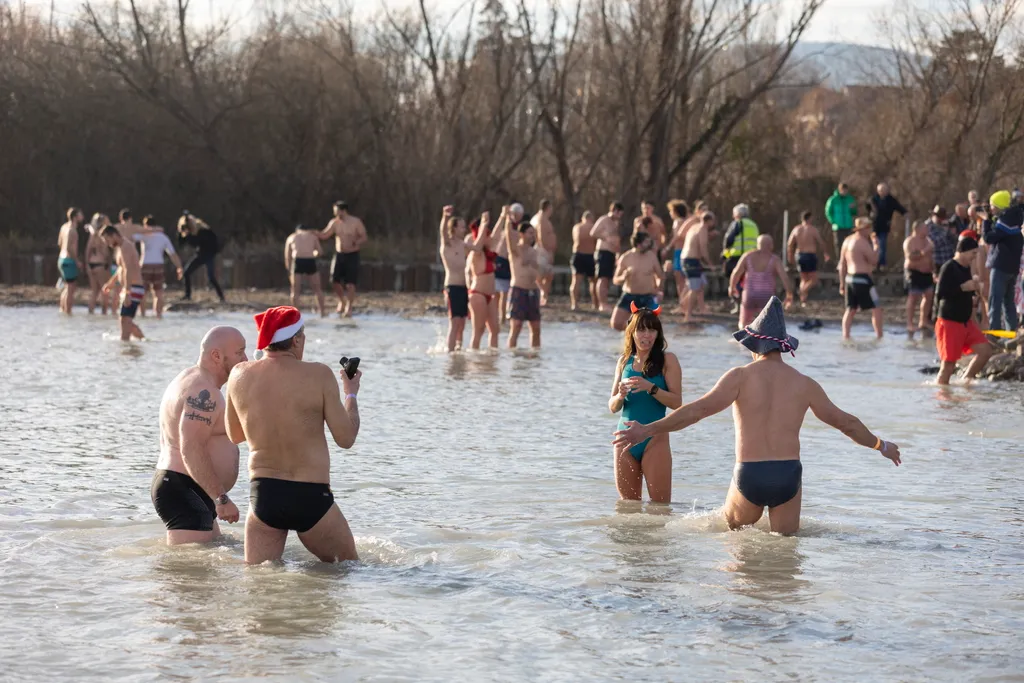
(120, 279)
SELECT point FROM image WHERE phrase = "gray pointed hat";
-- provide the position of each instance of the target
(768, 331)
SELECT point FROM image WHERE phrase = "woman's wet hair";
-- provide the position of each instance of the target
(646, 319)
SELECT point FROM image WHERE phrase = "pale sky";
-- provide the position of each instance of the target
(847, 21)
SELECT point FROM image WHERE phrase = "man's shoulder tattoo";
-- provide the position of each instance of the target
(202, 402)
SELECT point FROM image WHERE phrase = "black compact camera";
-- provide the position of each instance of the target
(351, 365)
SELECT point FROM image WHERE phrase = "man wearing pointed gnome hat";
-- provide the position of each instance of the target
(771, 400)
(278, 405)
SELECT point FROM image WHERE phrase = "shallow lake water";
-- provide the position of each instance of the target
(480, 492)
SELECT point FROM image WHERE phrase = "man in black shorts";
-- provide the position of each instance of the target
(349, 235)
(858, 257)
(198, 463)
(301, 250)
(609, 242)
(582, 263)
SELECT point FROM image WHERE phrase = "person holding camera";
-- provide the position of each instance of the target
(278, 405)
(194, 231)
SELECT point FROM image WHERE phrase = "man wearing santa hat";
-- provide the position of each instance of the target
(278, 405)
(198, 464)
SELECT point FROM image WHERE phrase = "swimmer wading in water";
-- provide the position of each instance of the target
(770, 402)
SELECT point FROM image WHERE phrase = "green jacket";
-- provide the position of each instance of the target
(840, 210)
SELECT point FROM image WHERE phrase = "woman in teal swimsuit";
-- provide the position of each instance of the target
(648, 380)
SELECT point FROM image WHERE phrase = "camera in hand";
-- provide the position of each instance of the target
(351, 365)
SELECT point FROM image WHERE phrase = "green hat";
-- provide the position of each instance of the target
(1000, 200)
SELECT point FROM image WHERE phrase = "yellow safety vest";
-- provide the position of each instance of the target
(745, 242)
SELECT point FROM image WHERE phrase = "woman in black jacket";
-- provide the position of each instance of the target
(195, 231)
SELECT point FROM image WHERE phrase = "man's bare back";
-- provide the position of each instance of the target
(695, 244)
(546, 237)
(582, 241)
(68, 241)
(806, 238)
(859, 255)
(304, 244)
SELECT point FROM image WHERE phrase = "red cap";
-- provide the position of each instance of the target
(277, 325)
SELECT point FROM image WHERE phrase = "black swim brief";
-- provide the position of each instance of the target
(457, 297)
(807, 262)
(583, 264)
(345, 269)
(605, 264)
(918, 282)
(641, 300)
(289, 505)
(769, 483)
(860, 292)
(182, 503)
(304, 266)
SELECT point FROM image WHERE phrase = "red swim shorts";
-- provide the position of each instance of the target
(954, 340)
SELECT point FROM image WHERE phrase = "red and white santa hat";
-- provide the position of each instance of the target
(277, 325)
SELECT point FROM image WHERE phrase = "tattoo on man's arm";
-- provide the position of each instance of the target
(194, 416)
(202, 402)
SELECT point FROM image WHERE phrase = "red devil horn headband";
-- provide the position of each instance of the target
(635, 310)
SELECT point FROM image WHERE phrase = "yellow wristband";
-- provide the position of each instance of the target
(878, 446)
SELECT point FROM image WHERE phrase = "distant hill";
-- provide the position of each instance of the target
(846, 64)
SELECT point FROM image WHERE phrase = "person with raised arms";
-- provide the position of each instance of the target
(453, 248)
(770, 400)
(198, 463)
(481, 267)
(648, 379)
(524, 299)
(278, 405)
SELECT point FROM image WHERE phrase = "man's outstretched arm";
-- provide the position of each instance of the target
(848, 424)
(715, 401)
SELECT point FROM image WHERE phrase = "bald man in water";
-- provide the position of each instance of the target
(198, 463)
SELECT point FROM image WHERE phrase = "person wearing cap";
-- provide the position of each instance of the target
(918, 266)
(349, 235)
(942, 236)
(857, 260)
(524, 297)
(198, 463)
(840, 210)
(301, 250)
(502, 265)
(883, 205)
(770, 400)
(609, 242)
(637, 272)
(956, 333)
(1005, 242)
(278, 405)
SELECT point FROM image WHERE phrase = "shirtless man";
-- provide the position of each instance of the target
(524, 298)
(349, 235)
(857, 260)
(918, 265)
(804, 244)
(278, 405)
(480, 269)
(68, 262)
(606, 232)
(128, 228)
(129, 276)
(198, 464)
(655, 228)
(547, 243)
(155, 245)
(583, 265)
(695, 258)
(453, 256)
(301, 250)
(502, 267)
(638, 273)
(770, 400)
